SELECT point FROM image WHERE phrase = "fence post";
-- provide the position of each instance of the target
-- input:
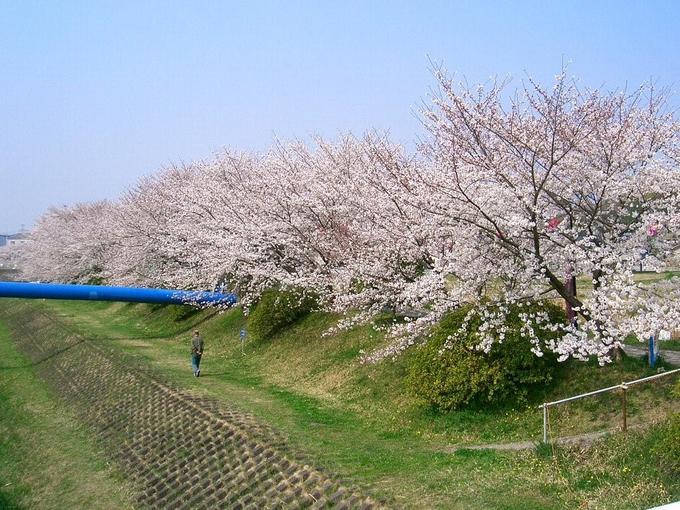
(624, 396)
(624, 402)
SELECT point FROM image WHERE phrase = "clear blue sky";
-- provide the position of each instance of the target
(95, 94)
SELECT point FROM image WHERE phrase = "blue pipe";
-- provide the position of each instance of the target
(104, 293)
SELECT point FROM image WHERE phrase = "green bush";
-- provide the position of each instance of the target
(179, 313)
(463, 375)
(96, 280)
(176, 313)
(278, 309)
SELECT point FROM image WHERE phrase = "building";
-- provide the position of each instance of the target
(10, 251)
(15, 240)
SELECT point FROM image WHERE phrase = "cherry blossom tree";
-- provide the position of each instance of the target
(157, 225)
(509, 200)
(71, 243)
(549, 184)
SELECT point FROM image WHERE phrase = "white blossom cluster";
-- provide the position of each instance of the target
(505, 202)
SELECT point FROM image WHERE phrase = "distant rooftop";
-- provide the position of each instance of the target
(6, 238)
(20, 235)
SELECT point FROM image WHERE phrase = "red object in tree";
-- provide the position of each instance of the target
(553, 223)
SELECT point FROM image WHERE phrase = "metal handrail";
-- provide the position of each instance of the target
(623, 386)
(662, 374)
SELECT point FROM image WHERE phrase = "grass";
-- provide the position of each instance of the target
(664, 345)
(653, 276)
(671, 345)
(359, 421)
(127, 320)
(47, 460)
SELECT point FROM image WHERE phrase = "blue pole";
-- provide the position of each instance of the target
(652, 352)
(105, 293)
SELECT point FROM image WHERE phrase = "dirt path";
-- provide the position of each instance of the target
(181, 451)
(672, 357)
(580, 439)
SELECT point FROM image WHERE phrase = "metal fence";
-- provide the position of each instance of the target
(623, 387)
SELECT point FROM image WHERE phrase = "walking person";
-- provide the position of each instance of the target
(196, 353)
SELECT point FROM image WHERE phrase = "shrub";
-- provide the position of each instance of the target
(179, 313)
(278, 309)
(463, 375)
(95, 280)
(176, 313)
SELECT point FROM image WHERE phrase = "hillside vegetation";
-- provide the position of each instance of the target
(362, 422)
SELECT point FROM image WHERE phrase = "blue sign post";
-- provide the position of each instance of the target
(652, 351)
(242, 334)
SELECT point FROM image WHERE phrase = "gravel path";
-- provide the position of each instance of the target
(580, 439)
(182, 451)
(672, 357)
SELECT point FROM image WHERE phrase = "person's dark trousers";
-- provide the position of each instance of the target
(196, 363)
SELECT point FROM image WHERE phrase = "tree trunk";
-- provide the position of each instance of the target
(570, 285)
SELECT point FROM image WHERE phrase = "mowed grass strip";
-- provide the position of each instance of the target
(358, 421)
(47, 460)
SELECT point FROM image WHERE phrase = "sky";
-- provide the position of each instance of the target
(96, 94)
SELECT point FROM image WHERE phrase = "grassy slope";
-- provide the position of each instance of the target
(46, 459)
(359, 421)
